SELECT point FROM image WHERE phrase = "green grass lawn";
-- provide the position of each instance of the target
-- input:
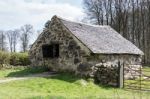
(61, 86)
(140, 83)
(146, 71)
(21, 71)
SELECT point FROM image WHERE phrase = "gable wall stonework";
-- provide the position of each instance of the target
(72, 51)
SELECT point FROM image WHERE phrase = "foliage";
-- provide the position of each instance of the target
(19, 59)
(14, 58)
(4, 58)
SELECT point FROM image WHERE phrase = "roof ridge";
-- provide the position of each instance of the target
(80, 22)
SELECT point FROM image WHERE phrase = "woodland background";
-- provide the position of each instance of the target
(131, 18)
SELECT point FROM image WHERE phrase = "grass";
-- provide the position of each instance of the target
(146, 71)
(140, 83)
(61, 86)
(21, 71)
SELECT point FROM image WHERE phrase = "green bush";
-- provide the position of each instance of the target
(4, 57)
(19, 59)
(14, 59)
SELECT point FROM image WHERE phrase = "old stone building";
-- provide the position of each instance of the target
(87, 50)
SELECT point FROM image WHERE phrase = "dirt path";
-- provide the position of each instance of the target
(44, 74)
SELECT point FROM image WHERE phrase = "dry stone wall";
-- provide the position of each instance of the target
(105, 68)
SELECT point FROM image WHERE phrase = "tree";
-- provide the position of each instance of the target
(3, 43)
(15, 38)
(94, 11)
(131, 18)
(10, 39)
(25, 30)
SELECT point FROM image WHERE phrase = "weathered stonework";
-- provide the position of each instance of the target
(71, 52)
(76, 57)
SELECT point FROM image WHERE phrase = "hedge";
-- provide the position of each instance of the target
(4, 57)
(19, 59)
(14, 58)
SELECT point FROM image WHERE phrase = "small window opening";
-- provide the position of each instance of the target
(50, 51)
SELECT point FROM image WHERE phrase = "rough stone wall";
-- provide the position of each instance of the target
(105, 68)
(74, 56)
(72, 51)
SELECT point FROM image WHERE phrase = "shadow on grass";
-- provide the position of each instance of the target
(64, 76)
(68, 77)
(71, 78)
(27, 71)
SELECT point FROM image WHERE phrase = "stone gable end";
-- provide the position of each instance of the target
(71, 50)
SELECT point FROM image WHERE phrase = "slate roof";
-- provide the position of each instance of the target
(101, 39)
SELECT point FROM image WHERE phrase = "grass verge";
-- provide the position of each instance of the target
(21, 71)
(61, 86)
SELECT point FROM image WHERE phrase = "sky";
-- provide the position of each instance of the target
(15, 13)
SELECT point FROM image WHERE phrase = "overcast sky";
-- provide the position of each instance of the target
(15, 13)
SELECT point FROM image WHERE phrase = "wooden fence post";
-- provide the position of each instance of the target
(121, 75)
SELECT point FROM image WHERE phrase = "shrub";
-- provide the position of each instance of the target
(4, 57)
(19, 59)
(24, 59)
(14, 59)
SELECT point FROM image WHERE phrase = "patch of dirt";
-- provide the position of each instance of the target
(44, 74)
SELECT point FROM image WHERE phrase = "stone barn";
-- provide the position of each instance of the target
(87, 50)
